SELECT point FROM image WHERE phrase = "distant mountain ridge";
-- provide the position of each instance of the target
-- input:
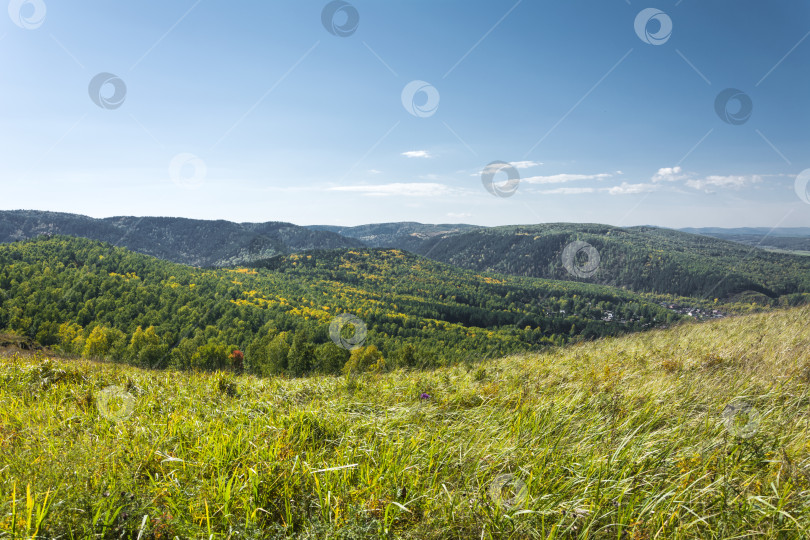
(792, 239)
(407, 235)
(194, 242)
(643, 258)
(640, 258)
(751, 231)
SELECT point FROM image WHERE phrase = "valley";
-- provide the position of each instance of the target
(324, 387)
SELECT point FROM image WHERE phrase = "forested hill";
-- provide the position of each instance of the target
(87, 297)
(188, 241)
(407, 235)
(645, 259)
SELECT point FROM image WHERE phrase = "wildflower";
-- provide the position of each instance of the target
(424, 396)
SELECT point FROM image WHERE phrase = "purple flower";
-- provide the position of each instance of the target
(424, 396)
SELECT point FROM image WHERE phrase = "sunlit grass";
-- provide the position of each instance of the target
(620, 438)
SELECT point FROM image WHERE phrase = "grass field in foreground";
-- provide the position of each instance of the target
(698, 431)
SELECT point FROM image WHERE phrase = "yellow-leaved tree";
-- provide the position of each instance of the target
(71, 338)
(103, 342)
(146, 348)
(364, 359)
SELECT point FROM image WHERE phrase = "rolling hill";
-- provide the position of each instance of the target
(642, 259)
(649, 259)
(646, 259)
(406, 235)
(88, 297)
(194, 242)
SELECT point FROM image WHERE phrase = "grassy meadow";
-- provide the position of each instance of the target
(696, 431)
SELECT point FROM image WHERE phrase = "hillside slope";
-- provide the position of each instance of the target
(195, 242)
(91, 298)
(642, 259)
(647, 259)
(405, 235)
(699, 431)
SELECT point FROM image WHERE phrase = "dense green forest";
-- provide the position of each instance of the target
(196, 242)
(643, 259)
(407, 235)
(86, 297)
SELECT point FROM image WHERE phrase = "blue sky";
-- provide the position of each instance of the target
(255, 111)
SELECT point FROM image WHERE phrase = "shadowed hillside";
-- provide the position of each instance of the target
(648, 259)
(642, 259)
(188, 241)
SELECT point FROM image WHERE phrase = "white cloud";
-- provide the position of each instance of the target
(715, 181)
(492, 168)
(455, 215)
(628, 189)
(567, 191)
(524, 164)
(623, 189)
(374, 171)
(399, 189)
(497, 166)
(669, 174)
(692, 180)
(562, 178)
(416, 153)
